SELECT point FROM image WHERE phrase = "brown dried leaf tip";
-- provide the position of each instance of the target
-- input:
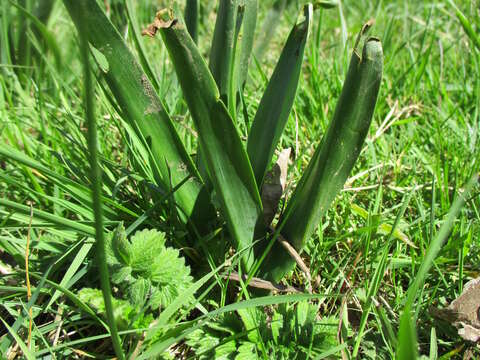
(363, 32)
(163, 20)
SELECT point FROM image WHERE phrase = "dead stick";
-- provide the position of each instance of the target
(296, 256)
(263, 284)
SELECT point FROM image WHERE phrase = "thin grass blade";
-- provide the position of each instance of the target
(407, 337)
(96, 180)
(137, 38)
(466, 24)
(42, 29)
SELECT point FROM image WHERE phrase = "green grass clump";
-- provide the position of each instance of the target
(399, 240)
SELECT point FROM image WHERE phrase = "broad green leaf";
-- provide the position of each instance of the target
(147, 67)
(192, 8)
(144, 111)
(249, 24)
(222, 52)
(277, 101)
(225, 158)
(334, 158)
(251, 319)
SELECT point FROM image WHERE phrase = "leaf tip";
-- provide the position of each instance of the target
(164, 19)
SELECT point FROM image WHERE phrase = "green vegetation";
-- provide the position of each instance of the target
(140, 167)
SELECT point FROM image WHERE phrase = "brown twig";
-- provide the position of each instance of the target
(29, 290)
(263, 284)
(296, 256)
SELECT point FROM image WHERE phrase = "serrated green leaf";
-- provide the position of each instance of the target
(124, 312)
(252, 320)
(276, 326)
(139, 291)
(121, 274)
(146, 248)
(247, 351)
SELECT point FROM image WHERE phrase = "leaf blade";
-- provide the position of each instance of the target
(334, 158)
(281, 89)
(145, 112)
(225, 158)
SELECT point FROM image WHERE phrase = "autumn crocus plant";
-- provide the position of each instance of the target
(224, 183)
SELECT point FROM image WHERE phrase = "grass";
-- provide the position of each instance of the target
(422, 151)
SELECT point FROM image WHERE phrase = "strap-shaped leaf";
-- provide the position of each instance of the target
(222, 52)
(232, 46)
(334, 158)
(191, 18)
(146, 113)
(277, 101)
(247, 34)
(223, 152)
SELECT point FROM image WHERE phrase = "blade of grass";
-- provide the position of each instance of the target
(407, 337)
(42, 29)
(137, 38)
(76, 190)
(49, 217)
(268, 28)
(436, 244)
(96, 180)
(466, 24)
(26, 351)
(159, 347)
(247, 35)
(71, 270)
